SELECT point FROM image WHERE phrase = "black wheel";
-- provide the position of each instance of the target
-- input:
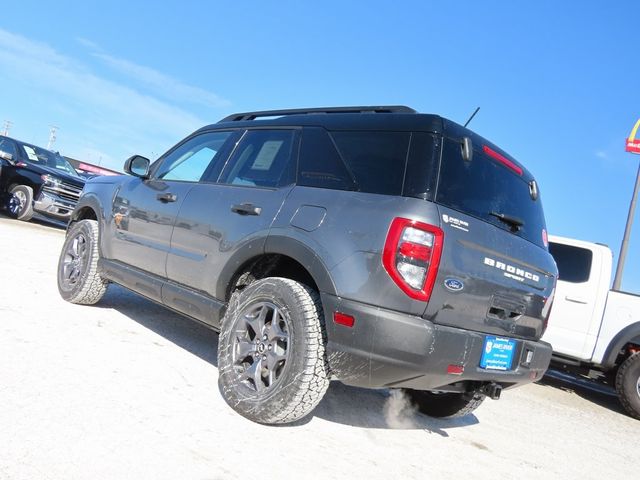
(445, 405)
(78, 277)
(271, 354)
(628, 385)
(24, 195)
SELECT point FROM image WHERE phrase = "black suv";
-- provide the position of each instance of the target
(371, 245)
(42, 180)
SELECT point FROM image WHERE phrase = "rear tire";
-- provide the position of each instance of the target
(445, 405)
(628, 385)
(78, 277)
(271, 354)
(24, 195)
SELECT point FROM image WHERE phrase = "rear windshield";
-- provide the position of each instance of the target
(486, 189)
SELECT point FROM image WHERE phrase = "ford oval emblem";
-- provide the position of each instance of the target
(453, 284)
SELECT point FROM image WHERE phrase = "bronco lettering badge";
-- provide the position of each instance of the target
(512, 272)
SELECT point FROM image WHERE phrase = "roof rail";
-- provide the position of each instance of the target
(237, 117)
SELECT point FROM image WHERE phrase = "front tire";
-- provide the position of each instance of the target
(628, 385)
(78, 277)
(24, 195)
(271, 353)
(445, 405)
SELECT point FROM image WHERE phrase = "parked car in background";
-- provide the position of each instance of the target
(594, 331)
(43, 181)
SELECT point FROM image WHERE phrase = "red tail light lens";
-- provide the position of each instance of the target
(411, 256)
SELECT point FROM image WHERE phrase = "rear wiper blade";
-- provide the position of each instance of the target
(514, 222)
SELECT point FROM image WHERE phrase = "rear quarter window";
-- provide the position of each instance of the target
(375, 159)
(574, 263)
(483, 186)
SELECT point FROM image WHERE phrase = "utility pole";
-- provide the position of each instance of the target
(7, 126)
(632, 146)
(52, 137)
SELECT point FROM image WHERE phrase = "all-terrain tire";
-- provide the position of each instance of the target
(78, 278)
(628, 385)
(271, 354)
(25, 195)
(445, 405)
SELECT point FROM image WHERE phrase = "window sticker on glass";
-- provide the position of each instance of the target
(266, 155)
(31, 153)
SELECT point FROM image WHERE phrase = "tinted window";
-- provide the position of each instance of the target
(375, 159)
(483, 186)
(574, 263)
(7, 146)
(320, 164)
(420, 179)
(47, 158)
(189, 161)
(262, 159)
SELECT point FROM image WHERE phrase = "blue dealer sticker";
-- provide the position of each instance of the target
(497, 353)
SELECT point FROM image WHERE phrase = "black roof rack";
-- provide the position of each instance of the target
(238, 117)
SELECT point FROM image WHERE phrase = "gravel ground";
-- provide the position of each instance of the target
(127, 389)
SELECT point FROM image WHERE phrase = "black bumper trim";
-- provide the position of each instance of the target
(390, 349)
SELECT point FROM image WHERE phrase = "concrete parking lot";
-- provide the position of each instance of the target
(127, 389)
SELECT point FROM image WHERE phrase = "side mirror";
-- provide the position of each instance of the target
(138, 166)
(6, 155)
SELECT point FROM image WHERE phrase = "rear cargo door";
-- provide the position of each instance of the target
(495, 272)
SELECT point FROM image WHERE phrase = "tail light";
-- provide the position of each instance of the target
(411, 256)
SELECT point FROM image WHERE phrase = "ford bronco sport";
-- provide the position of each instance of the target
(371, 245)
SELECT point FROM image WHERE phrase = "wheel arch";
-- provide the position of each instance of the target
(628, 335)
(288, 259)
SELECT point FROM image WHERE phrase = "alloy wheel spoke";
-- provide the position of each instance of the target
(275, 331)
(254, 373)
(256, 322)
(273, 359)
(244, 348)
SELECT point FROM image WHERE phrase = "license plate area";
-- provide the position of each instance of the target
(498, 353)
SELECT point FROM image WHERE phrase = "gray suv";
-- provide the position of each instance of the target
(371, 245)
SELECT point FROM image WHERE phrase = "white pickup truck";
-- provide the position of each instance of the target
(594, 331)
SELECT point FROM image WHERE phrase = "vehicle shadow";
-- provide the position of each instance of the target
(190, 335)
(601, 395)
(358, 407)
(36, 220)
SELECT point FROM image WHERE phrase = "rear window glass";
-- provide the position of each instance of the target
(320, 164)
(376, 160)
(485, 188)
(574, 263)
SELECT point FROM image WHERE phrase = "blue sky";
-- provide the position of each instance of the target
(556, 81)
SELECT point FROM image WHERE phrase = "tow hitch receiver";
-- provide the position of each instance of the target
(492, 390)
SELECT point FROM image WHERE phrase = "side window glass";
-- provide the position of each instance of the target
(7, 146)
(262, 159)
(377, 159)
(320, 164)
(190, 161)
(422, 167)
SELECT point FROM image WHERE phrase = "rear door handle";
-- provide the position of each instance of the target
(167, 197)
(246, 209)
(576, 300)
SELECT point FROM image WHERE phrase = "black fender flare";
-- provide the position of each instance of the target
(282, 245)
(88, 200)
(629, 334)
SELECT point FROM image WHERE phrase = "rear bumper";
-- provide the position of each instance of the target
(389, 349)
